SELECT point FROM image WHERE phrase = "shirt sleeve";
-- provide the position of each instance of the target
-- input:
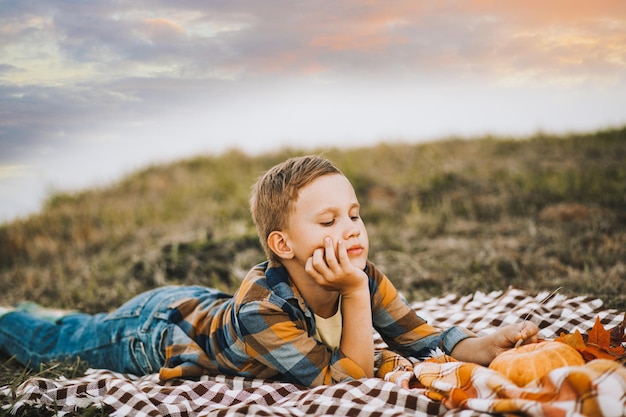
(401, 327)
(278, 337)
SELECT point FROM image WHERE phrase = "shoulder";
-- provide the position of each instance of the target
(378, 280)
(373, 272)
(382, 290)
(254, 286)
(266, 283)
(266, 298)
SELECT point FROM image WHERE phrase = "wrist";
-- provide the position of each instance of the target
(356, 291)
(357, 286)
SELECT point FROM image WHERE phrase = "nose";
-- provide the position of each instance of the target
(352, 229)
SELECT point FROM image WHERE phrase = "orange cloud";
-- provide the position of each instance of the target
(364, 27)
(542, 12)
(160, 29)
(507, 40)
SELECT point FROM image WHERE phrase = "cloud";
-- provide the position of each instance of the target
(77, 76)
(71, 65)
(230, 40)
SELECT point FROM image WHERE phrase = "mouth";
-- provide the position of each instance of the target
(355, 250)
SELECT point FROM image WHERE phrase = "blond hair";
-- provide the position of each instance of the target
(276, 191)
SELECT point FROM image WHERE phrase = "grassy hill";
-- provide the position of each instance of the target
(448, 216)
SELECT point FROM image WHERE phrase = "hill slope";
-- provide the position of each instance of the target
(450, 216)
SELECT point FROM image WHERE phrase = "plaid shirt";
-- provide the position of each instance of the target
(266, 330)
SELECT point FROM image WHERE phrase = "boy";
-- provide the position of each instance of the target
(304, 316)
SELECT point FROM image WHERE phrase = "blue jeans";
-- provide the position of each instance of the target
(130, 339)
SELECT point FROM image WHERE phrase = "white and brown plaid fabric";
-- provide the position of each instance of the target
(127, 395)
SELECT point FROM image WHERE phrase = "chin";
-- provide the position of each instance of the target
(359, 263)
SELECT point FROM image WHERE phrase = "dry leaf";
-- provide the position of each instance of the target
(598, 343)
(574, 340)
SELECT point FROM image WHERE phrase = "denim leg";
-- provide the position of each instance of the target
(129, 339)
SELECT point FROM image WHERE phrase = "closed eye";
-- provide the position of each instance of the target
(328, 224)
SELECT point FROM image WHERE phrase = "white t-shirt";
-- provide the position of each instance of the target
(328, 330)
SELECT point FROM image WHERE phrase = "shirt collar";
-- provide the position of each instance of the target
(278, 281)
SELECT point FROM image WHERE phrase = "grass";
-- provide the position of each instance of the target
(449, 216)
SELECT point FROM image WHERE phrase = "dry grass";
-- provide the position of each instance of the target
(450, 216)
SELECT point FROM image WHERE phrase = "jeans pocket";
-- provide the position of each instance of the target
(139, 360)
(163, 345)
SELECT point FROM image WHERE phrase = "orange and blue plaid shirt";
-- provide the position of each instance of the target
(266, 330)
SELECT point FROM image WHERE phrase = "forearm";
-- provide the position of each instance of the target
(357, 339)
(474, 349)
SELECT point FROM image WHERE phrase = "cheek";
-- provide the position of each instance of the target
(364, 235)
(308, 246)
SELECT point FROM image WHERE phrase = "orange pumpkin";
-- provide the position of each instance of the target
(526, 363)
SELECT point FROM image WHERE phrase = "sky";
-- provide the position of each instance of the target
(91, 91)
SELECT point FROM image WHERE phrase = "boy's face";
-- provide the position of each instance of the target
(327, 207)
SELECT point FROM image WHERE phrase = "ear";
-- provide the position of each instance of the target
(278, 244)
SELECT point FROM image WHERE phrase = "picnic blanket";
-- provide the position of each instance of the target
(438, 388)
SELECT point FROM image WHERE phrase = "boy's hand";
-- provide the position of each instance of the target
(335, 272)
(507, 337)
(484, 349)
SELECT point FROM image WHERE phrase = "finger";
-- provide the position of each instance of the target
(329, 251)
(342, 254)
(528, 330)
(310, 268)
(318, 263)
(527, 333)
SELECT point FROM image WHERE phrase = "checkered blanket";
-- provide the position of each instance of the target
(453, 389)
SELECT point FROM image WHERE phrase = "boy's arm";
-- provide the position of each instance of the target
(337, 273)
(357, 338)
(400, 326)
